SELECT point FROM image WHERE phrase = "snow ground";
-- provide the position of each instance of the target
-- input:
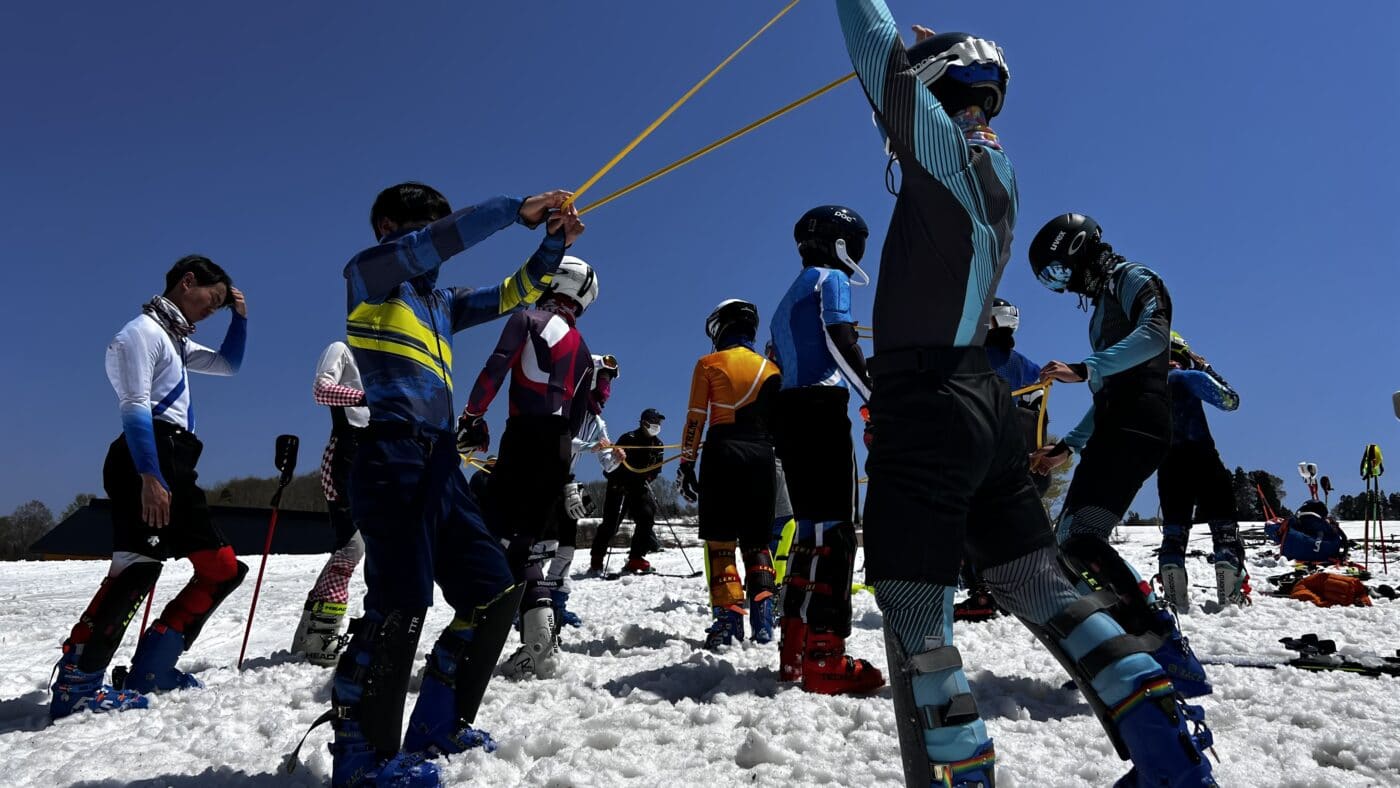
(639, 702)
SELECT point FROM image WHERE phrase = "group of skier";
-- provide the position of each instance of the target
(956, 464)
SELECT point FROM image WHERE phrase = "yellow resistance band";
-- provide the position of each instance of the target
(1044, 408)
(683, 99)
(719, 143)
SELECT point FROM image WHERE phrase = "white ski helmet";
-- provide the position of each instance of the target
(575, 278)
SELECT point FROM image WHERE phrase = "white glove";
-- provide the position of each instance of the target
(573, 501)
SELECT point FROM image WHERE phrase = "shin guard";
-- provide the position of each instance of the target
(100, 629)
(216, 574)
(726, 589)
(371, 680)
(1120, 593)
(942, 738)
(819, 575)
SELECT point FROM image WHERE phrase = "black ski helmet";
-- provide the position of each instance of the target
(962, 70)
(732, 314)
(818, 231)
(1065, 254)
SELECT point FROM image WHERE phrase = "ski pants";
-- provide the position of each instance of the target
(526, 485)
(333, 584)
(1120, 456)
(627, 495)
(813, 437)
(1194, 486)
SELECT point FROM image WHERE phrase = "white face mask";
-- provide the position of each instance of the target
(653, 429)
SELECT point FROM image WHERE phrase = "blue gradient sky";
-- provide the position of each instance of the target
(1244, 151)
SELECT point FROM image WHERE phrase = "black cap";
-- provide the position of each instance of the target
(652, 416)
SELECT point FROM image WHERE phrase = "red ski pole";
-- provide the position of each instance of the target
(286, 461)
(150, 597)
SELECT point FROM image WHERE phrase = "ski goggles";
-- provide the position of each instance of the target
(606, 363)
(1006, 317)
(1055, 277)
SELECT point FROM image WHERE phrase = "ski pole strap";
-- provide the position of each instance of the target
(677, 105)
(719, 143)
(1372, 463)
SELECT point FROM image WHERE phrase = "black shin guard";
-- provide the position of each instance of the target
(377, 666)
(220, 593)
(491, 625)
(759, 578)
(111, 611)
(819, 579)
(1093, 564)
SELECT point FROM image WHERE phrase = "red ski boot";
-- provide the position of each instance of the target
(790, 647)
(979, 606)
(827, 670)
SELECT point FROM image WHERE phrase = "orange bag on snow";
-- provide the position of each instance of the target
(1328, 589)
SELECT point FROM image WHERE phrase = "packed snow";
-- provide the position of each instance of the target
(640, 702)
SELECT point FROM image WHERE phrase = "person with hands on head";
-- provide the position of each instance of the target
(947, 468)
(551, 385)
(408, 496)
(734, 389)
(158, 509)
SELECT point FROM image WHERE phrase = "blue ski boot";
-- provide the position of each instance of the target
(1176, 658)
(355, 764)
(153, 666)
(1166, 738)
(436, 727)
(728, 627)
(560, 599)
(77, 690)
(761, 618)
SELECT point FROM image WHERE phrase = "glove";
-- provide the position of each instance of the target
(573, 501)
(687, 483)
(869, 434)
(472, 433)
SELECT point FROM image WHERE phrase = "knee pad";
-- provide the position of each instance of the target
(216, 574)
(1174, 539)
(100, 628)
(371, 680)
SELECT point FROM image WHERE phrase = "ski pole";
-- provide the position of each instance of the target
(681, 547)
(150, 597)
(286, 462)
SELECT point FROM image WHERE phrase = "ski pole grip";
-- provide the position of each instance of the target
(286, 457)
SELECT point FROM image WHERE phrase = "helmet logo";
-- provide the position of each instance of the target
(844, 215)
(1078, 242)
(1055, 244)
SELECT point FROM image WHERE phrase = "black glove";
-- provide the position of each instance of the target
(686, 481)
(472, 433)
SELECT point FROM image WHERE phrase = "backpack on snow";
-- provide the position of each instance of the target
(1311, 535)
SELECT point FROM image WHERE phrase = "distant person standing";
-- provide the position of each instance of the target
(629, 494)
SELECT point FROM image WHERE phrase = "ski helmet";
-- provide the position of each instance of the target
(1065, 254)
(575, 279)
(607, 363)
(831, 236)
(732, 314)
(962, 70)
(1004, 315)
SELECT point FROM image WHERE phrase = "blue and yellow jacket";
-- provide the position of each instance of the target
(400, 326)
(1189, 389)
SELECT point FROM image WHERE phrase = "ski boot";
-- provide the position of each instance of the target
(1166, 738)
(595, 569)
(1175, 587)
(728, 627)
(761, 618)
(637, 566)
(539, 646)
(1231, 583)
(562, 614)
(355, 764)
(75, 690)
(827, 670)
(790, 648)
(1176, 657)
(320, 636)
(153, 665)
(436, 726)
(979, 605)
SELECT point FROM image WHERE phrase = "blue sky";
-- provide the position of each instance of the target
(1248, 157)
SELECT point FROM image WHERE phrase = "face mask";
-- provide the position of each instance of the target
(653, 429)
